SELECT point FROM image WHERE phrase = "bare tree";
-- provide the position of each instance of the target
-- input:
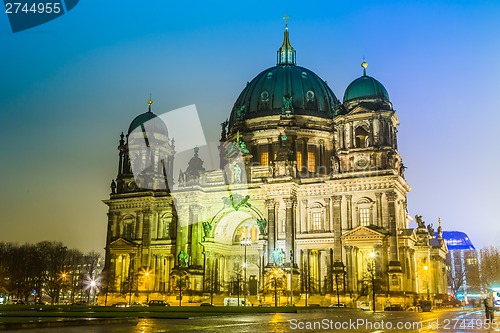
(490, 263)
(455, 281)
(212, 284)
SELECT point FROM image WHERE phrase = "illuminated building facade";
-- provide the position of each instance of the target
(313, 184)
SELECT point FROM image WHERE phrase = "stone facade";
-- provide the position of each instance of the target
(319, 196)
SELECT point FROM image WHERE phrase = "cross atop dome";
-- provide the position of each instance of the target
(286, 53)
(364, 64)
(150, 102)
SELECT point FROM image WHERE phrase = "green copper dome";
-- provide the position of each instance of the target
(150, 122)
(366, 88)
(285, 89)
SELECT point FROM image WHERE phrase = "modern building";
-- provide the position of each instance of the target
(308, 185)
(462, 263)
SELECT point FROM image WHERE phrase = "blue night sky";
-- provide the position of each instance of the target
(68, 88)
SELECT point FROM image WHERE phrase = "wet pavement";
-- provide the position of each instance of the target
(320, 320)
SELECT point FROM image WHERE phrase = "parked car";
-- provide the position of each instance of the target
(426, 306)
(394, 307)
(121, 305)
(335, 305)
(158, 303)
(264, 305)
(206, 304)
(137, 304)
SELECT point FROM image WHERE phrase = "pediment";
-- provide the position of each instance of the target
(362, 232)
(122, 244)
(409, 234)
(360, 109)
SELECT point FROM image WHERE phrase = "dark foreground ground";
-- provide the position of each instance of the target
(240, 320)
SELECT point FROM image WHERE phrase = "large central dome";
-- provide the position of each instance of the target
(285, 89)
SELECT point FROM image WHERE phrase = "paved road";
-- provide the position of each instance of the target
(319, 320)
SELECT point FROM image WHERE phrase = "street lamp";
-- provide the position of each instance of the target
(64, 275)
(247, 241)
(275, 275)
(372, 273)
(338, 268)
(146, 275)
(93, 285)
(426, 268)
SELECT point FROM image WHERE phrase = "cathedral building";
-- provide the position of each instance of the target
(309, 186)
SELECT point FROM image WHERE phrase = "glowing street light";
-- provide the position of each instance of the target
(93, 285)
(146, 275)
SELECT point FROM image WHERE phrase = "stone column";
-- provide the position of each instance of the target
(304, 154)
(376, 129)
(182, 231)
(337, 227)
(138, 225)
(378, 202)
(303, 216)
(270, 150)
(290, 227)
(393, 236)
(342, 136)
(271, 225)
(319, 272)
(111, 278)
(349, 136)
(112, 225)
(146, 227)
(328, 221)
(160, 228)
(349, 211)
(196, 259)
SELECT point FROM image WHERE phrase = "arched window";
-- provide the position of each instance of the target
(362, 137)
(317, 218)
(364, 209)
(166, 227)
(128, 227)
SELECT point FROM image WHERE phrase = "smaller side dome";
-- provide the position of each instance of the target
(151, 122)
(366, 89)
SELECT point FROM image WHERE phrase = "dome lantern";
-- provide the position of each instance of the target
(286, 53)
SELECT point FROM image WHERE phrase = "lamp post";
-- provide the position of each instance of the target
(426, 268)
(93, 285)
(291, 277)
(64, 275)
(146, 275)
(275, 275)
(338, 268)
(372, 273)
(247, 241)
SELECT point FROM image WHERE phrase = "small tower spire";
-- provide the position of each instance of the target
(364, 64)
(150, 102)
(286, 53)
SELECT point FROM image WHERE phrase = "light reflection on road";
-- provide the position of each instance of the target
(281, 323)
